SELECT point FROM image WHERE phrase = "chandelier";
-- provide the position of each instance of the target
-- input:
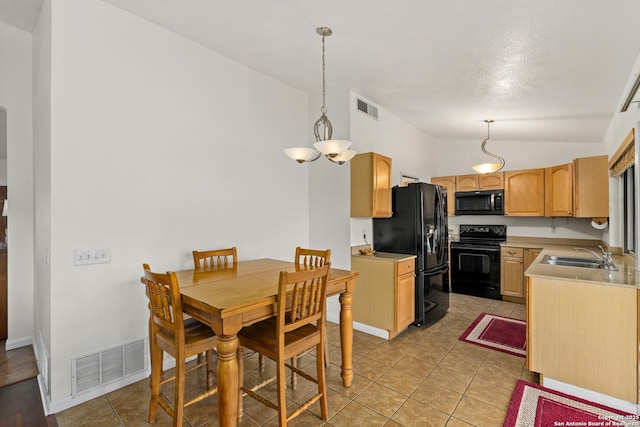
(336, 150)
(489, 167)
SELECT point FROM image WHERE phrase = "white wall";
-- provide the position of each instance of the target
(42, 190)
(620, 126)
(16, 98)
(412, 152)
(158, 147)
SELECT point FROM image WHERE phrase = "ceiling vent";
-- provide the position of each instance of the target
(368, 109)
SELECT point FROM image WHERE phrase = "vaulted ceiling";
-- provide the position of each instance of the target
(543, 70)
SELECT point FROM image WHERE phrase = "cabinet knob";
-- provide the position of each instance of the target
(512, 252)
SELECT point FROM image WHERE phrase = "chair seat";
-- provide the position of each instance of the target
(198, 337)
(262, 337)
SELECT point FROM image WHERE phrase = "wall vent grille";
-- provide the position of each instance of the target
(367, 108)
(96, 369)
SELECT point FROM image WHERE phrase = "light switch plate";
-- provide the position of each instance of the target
(91, 256)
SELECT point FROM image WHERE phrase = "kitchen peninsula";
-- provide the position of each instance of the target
(582, 328)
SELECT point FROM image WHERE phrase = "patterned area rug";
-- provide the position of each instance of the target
(499, 333)
(535, 406)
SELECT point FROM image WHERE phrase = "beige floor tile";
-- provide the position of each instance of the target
(416, 414)
(381, 399)
(370, 368)
(84, 413)
(489, 393)
(460, 363)
(356, 414)
(417, 367)
(450, 379)
(441, 398)
(498, 376)
(478, 413)
(399, 381)
(454, 422)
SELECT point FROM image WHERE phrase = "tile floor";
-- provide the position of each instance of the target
(423, 377)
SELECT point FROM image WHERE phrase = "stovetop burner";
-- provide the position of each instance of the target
(483, 233)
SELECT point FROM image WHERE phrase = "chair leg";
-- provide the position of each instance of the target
(294, 377)
(326, 347)
(240, 359)
(260, 362)
(156, 377)
(178, 408)
(282, 392)
(322, 386)
(210, 374)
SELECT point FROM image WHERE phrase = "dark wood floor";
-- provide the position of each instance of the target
(20, 404)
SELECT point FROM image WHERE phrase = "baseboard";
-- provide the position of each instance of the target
(592, 396)
(376, 332)
(22, 342)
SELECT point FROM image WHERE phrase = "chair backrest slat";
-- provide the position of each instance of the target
(165, 305)
(312, 257)
(308, 291)
(216, 259)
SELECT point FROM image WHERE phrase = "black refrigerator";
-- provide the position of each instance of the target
(418, 226)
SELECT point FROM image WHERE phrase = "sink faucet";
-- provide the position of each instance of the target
(605, 258)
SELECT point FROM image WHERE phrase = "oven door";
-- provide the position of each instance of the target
(475, 269)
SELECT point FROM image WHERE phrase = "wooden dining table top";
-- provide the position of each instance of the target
(248, 285)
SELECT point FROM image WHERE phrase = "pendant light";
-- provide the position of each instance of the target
(336, 150)
(489, 167)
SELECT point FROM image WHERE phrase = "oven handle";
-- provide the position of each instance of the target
(475, 247)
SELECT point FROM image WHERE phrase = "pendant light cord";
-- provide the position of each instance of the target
(323, 110)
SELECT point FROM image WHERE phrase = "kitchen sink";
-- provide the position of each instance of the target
(572, 262)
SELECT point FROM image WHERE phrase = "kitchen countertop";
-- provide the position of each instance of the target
(385, 255)
(626, 276)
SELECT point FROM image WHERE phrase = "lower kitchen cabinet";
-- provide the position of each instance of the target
(385, 295)
(514, 261)
(584, 334)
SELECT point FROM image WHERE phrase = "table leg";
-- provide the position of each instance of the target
(346, 333)
(227, 380)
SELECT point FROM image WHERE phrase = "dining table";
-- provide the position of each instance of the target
(231, 298)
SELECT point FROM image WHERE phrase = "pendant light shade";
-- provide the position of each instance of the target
(489, 167)
(336, 150)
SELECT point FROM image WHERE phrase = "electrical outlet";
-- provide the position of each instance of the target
(91, 256)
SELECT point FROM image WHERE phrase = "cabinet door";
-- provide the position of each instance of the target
(512, 272)
(405, 301)
(524, 192)
(371, 186)
(558, 183)
(530, 255)
(591, 187)
(381, 186)
(449, 182)
(467, 182)
(491, 181)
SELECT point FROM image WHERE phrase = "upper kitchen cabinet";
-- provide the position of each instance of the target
(559, 190)
(449, 182)
(484, 181)
(578, 189)
(591, 187)
(371, 186)
(524, 192)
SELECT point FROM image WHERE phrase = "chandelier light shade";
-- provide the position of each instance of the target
(336, 150)
(489, 167)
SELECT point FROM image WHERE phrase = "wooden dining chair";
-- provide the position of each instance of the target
(312, 257)
(169, 332)
(306, 258)
(290, 333)
(216, 259)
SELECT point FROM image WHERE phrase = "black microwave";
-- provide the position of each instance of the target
(482, 202)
